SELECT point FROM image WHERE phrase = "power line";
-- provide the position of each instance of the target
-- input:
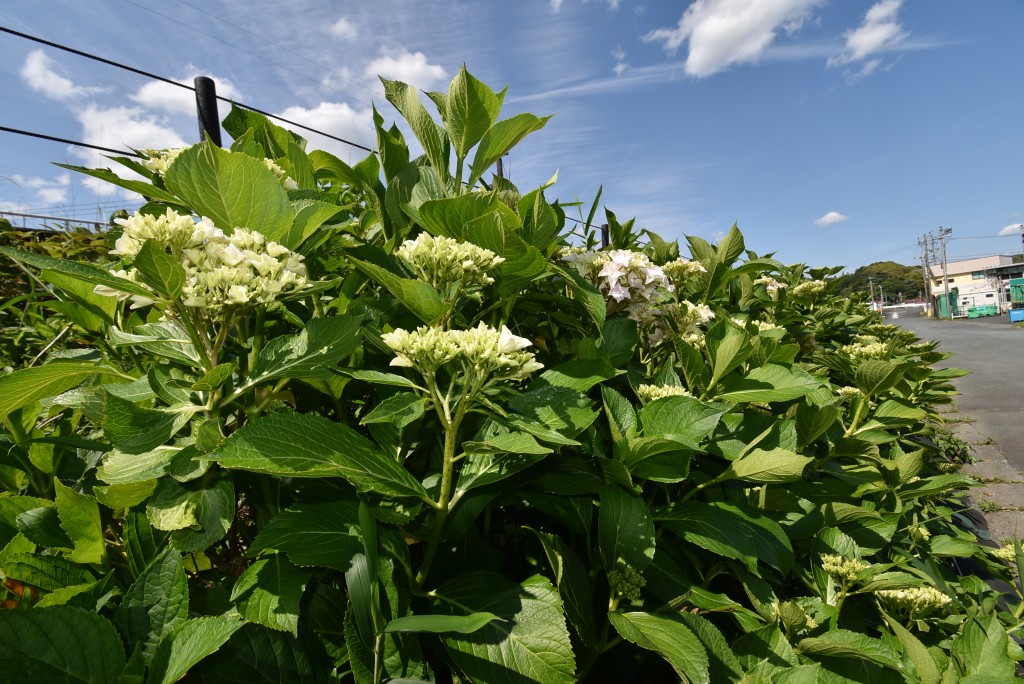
(169, 81)
(67, 141)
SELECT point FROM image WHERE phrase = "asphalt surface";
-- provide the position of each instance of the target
(993, 394)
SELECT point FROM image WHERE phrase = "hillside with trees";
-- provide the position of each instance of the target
(895, 280)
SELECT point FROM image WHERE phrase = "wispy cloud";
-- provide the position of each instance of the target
(879, 32)
(830, 218)
(1012, 229)
(720, 33)
(628, 80)
(40, 74)
(173, 100)
(344, 29)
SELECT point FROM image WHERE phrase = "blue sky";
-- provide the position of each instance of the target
(833, 132)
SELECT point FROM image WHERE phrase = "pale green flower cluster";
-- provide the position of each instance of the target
(158, 161)
(221, 270)
(843, 568)
(770, 284)
(681, 269)
(862, 351)
(809, 288)
(765, 326)
(683, 317)
(482, 351)
(653, 392)
(443, 261)
(1007, 553)
(915, 599)
(281, 174)
(847, 393)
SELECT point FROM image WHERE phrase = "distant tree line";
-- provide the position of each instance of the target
(896, 281)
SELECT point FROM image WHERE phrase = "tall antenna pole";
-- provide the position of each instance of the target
(943, 234)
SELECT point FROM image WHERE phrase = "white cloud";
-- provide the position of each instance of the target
(344, 29)
(830, 218)
(409, 67)
(39, 73)
(619, 55)
(720, 33)
(120, 128)
(556, 5)
(1012, 229)
(880, 31)
(175, 100)
(48, 191)
(338, 119)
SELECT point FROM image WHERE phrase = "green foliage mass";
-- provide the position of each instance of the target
(895, 280)
(417, 428)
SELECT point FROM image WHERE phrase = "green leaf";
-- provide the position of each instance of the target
(42, 526)
(232, 189)
(417, 296)
(499, 139)
(119, 467)
(122, 496)
(268, 593)
(310, 215)
(431, 136)
(163, 339)
(89, 310)
(484, 469)
(523, 262)
(507, 443)
(155, 604)
(378, 378)
(574, 586)
(59, 644)
(312, 352)
(196, 514)
(625, 530)
(399, 410)
(873, 376)
(770, 383)
(670, 638)
(298, 445)
(27, 386)
(561, 409)
(136, 430)
(471, 108)
(46, 572)
(722, 664)
(916, 652)
(729, 347)
(272, 138)
(771, 466)
(813, 421)
(529, 643)
(141, 545)
(256, 654)
(541, 222)
(80, 517)
(159, 270)
(188, 644)
(841, 643)
(683, 419)
(982, 648)
(441, 624)
(727, 530)
(314, 534)
(586, 295)
(579, 374)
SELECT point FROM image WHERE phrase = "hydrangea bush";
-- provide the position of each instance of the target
(398, 421)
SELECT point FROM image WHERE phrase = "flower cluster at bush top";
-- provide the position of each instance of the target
(221, 270)
(681, 269)
(770, 284)
(843, 568)
(158, 161)
(281, 174)
(683, 319)
(915, 599)
(653, 392)
(809, 288)
(483, 351)
(443, 261)
(622, 275)
(862, 351)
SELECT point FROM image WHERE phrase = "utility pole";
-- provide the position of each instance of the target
(943, 234)
(871, 284)
(923, 244)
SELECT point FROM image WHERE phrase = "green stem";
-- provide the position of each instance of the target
(257, 337)
(856, 416)
(200, 342)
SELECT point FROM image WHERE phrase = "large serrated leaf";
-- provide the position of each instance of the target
(670, 638)
(312, 352)
(232, 189)
(59, 644)
(417, 296)
(136, 430)
(188, 644)
(26, 386)
(80, 517)
(529, 643)
(268, 592)
(155, 604)
(770, 383)
(256, 655)
(46, 572)
(431, 136)
(500, 138)
(315, 534)
(470, 109)
(770, 466)
(298, 445)
(625, 530)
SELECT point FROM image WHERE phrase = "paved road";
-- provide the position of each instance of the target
(993, 394)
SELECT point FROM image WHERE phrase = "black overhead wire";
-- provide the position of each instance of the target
(67, 141)
(169, 81)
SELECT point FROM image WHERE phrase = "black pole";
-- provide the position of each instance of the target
(501, 169)
(206, 108)
(605, 238)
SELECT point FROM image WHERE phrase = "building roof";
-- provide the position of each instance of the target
(972, 265)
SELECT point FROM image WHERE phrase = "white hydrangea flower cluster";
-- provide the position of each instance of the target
(809, 288)
(653, 392)
(221, 270)
(862, 351)
(914, 599)
(765, 326)
(681, 269)
(684, 317)
(843, 568)
(770, 284)
(623, 275)
(847, 393)
(158, 161)
(482, 350)
(281, 174)
(443, 261)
